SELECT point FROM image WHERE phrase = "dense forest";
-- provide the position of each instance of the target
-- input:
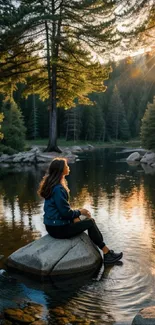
(114, 114)
(73, 70)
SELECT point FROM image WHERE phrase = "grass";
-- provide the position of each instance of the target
(63, 143)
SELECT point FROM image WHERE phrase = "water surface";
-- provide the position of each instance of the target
(121, 198)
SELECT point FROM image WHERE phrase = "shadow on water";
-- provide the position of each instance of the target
(59, 295)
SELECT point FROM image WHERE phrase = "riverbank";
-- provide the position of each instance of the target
(100, 144)
(37, 155)
(35, 152)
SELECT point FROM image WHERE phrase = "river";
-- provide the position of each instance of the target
(121, 198)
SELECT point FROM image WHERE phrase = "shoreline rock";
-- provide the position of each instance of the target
(147, 161)
(36, 156)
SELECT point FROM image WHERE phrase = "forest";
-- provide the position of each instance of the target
(114, 114)
(63, 76)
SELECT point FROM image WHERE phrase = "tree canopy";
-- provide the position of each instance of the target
(53, 45)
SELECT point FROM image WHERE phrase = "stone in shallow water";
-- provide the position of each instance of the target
(48, 256)
(135, 156)
(19, 316)
(145, 316)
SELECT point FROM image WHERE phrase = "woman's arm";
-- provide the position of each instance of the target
(61, 200)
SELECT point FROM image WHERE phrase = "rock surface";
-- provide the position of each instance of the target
(145, 316)
(48, 256)
(37, 156)
(147, 161)
(135, 156)
(148, 158)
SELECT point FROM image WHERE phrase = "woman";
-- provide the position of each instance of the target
(59, 219)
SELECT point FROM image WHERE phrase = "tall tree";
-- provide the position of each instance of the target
(33, 121)
(116, 120)
(63, 30)
(70, 31)
(148, 127)
(13, 126)
(89, 123)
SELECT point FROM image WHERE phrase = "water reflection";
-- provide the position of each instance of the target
(122, 200)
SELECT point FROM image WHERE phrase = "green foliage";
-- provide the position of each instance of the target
(13, 127)
(7, 150)
(117, 124)
(89, 123)
(50, 46)
(77, 76)
(99, 125)
(148, 127)
(134, 79)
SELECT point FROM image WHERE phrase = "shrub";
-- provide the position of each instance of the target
(13, 127)
(6, 150)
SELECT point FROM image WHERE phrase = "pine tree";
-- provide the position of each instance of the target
(99, 125)
(117, 126)
(13, 127)
(70, 34)
(89, 123)
(148, 127)
(131, 111)
(33, 121)
(61, 31)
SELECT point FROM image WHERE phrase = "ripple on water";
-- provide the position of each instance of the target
(123, 203)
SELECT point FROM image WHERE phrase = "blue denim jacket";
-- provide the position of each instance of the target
(57, 211)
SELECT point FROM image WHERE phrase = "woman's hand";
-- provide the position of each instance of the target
(85, 212)
(76, 220)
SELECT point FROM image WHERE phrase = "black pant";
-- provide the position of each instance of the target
(74, 229)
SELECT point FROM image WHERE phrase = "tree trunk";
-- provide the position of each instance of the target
(52, 144)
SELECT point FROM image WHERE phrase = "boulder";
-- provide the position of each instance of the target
(35, 150)
(145, 316)
(135, 156)
(90, 147)
(150, 170)
(48, 256)
(5, 158)
(41, 160)
(149, 158)
(76, 149)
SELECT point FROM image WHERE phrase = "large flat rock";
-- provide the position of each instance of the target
(48, 256)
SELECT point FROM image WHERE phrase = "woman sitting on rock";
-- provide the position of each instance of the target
(59, 219)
